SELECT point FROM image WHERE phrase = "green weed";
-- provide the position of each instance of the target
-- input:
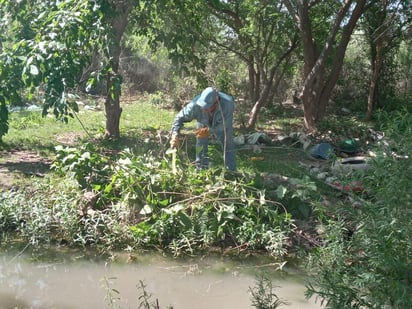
(264, 296)
(144, 300)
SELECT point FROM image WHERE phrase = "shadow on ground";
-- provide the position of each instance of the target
(16, 165)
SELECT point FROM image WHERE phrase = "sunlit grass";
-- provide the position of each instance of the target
(141, 121)
(29, 130)
(141, 114)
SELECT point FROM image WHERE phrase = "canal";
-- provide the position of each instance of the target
(65, 279)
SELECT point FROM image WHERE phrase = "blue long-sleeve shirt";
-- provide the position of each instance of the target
(219, 122)
(221, 118)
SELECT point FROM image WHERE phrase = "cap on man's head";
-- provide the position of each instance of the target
(207, 98)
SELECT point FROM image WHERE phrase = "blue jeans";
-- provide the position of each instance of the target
(226, 141)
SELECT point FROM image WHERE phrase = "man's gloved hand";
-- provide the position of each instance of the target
(174, 141)
(202, 132)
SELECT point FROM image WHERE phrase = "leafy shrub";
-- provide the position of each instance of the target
(184, 212)
(39, 220)
(365, 261)
(10, 212)
(85, 164)
(216, 211)
(340, 128)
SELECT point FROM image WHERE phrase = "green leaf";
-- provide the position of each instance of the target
(164, 202)
(146, 210)
(281, 192)
(185, 220)
(34, 70)
(108, 188)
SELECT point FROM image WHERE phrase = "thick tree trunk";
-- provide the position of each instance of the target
(112, 105)
(319, 79)
(112, 108)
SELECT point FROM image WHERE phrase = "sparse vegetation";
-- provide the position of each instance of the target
(264, 296)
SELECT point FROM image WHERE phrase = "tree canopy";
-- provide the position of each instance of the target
(46, 46)
(258, 34)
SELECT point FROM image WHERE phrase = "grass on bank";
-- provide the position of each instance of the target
(139, 123)
(29, 130)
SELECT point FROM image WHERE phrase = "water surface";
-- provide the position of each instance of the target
(198, 283)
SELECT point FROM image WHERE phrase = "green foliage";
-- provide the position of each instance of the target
(335, 129)
(224, 81)
(39, 220)
(210, 39)
(351, 90)
(405, 60)
(182, 212)
(28, 215)
(219, 211)
(365, 261)
(10, 212)
(47, 44)
(382, 18)
(264, 296)
(177, 26)
(85, 164)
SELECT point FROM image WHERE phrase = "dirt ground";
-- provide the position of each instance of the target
(18, 165)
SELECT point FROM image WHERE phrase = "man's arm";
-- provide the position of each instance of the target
(187, 114)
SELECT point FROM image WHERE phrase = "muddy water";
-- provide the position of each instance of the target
(80, 282)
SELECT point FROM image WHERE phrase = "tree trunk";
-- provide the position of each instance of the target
(252, 77)
(376, 67)
(118, 22)
(377, 37)
(319, 79)
(258, 105)
(269, 85)
(278, 69)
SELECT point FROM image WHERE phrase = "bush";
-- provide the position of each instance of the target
(365, 261)
(31, 216)
(183, 212)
